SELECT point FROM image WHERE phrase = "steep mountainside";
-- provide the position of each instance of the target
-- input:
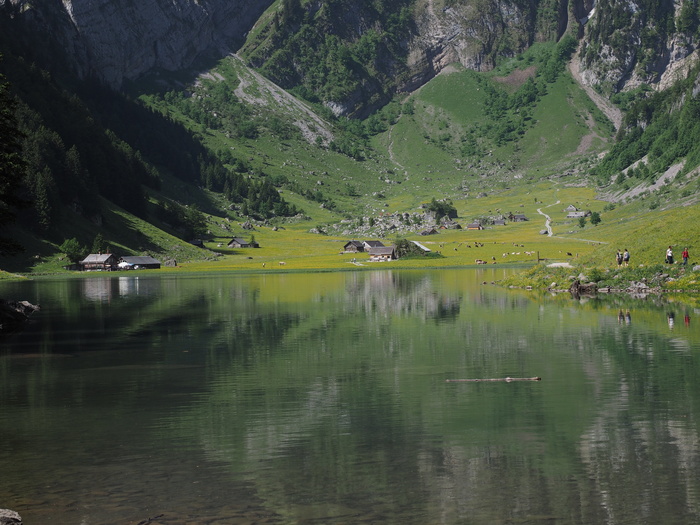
(352, 56)
(632, 43)
(119, 40)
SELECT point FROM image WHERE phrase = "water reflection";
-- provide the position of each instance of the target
(322, 398)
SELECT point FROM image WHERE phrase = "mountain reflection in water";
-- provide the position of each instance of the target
(302, 398)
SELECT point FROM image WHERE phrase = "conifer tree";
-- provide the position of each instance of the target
(12, 167)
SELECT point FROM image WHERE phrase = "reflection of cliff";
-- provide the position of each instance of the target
(622, 454)
(396, 293)
(642, 449)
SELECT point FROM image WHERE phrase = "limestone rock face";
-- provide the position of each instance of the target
(475, 34)
(633, 52)
(118, 40)
(123, 39)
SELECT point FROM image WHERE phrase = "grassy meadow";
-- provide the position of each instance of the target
(443, 144)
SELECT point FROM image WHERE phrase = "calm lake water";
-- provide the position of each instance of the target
(322, 399)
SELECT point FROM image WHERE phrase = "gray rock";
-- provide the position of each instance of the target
(9, 517)
(119, 40)
(13, 314)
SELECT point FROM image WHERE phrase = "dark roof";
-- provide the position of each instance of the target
(238, 240)
(140, 259)
(354, 243)
(374, 244)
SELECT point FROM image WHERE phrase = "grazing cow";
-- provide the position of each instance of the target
(282, 263)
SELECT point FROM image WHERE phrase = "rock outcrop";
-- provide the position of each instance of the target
(9, 517)
(624, 47)
(13, 314)
(117, 40)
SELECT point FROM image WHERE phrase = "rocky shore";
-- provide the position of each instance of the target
(636, 282)
(13, 314)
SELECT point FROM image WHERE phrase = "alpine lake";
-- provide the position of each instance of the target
(323, 398)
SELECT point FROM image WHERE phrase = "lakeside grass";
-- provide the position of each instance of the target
(646, 235)
(544, 170)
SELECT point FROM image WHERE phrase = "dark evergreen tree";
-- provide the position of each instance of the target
(12, 167)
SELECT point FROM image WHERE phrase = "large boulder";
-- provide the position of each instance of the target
(13, 314)
(9, 517)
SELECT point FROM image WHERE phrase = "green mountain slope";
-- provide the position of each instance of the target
(177, 160)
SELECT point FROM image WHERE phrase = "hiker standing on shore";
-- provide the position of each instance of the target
(669, 255)
(685, 257)
(618, 258)
(626, 257)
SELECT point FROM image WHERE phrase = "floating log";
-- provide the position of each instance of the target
(504, 379)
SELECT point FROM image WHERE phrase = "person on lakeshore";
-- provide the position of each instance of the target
(685, 256)
(669, 255)
(626, 257)
(618, 258)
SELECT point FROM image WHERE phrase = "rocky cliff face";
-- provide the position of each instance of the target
(476, 33)
(625, 44)
(123, 39)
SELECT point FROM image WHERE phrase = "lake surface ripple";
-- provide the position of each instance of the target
(322, 398)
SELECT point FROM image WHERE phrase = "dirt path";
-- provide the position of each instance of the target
(548, 219)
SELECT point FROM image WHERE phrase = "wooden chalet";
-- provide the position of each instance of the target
(499, 222)
(138, 262)
(99, 262)
(429, 231)
(239, 242)
(354, 247)
(577, 214)
(476, 225)
(519, 217)
(382, 253)
(451, 225)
